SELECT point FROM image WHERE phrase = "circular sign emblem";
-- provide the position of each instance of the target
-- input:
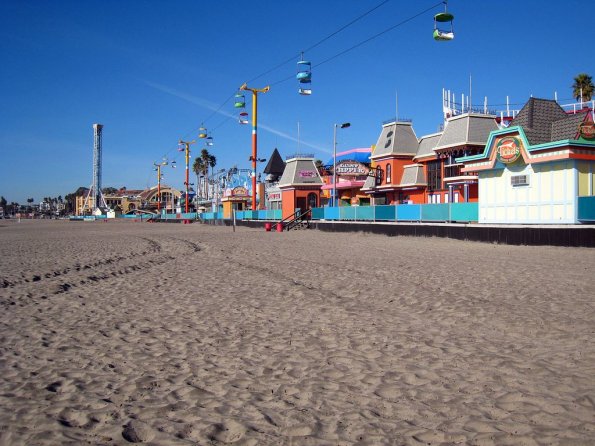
(587, 130)
(508, 150)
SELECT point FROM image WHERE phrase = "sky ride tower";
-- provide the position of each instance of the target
(95, 201)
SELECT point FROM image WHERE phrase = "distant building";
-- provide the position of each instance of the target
(128, 200)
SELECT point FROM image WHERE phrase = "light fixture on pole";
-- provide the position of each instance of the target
(342, 126)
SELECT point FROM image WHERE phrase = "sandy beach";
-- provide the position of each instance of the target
(167, 334)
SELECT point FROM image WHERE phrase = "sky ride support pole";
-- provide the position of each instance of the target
(159, 188)
(254, 157)
(187, 181)
(158, 169)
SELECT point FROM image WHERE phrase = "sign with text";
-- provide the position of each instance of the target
(508, 149)
(240, 191)
(587, 130)
(351, 168)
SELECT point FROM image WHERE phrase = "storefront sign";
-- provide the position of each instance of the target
(508, 150)
(239, 191)
(307, 174)
(351, 168)
(274, 196)
(587, 130)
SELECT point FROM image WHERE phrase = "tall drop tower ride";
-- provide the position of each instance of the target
(95, 199)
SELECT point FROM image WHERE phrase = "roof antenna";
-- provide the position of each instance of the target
(470, 101)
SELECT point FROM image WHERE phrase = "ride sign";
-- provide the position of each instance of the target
(351, 168)
(508, 149)
(587, 130)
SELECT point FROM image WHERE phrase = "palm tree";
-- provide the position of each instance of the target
(212, 163)
(319, 167)
(582, 89)
(198, 168)
(205, 156)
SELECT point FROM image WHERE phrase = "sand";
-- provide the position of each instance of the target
(165, 334)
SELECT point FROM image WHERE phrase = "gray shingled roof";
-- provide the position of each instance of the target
(426, 145)
(397, 138)
(413, 175)
(370, 183)
(536, 118)
(276, 165)
(300, 172)
(467, 129)
(543, 120)
(567, 128)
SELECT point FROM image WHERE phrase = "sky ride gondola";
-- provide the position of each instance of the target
(304, 76)
(240, 101)
(202, 132)
(240, 104)
(445, 30)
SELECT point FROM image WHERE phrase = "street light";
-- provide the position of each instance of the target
(342, 126)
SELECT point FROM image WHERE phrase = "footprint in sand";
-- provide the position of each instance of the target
(228, 432)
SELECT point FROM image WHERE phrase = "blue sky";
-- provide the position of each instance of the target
(152, 71)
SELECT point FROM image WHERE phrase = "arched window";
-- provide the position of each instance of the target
(312, 200)
(388, 174)
(378, 176)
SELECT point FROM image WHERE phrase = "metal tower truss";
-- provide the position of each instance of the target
(95, 199)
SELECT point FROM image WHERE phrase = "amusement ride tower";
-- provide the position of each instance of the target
(95, 199)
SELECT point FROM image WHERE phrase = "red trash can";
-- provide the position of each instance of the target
(279, 227)
(267, 227)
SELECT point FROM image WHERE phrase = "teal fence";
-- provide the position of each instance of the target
(586, 209)
(446, 212)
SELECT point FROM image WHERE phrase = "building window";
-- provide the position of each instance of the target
(435, 175)
(312, 200)
(378, 176)
(388, 173)
(519, 180)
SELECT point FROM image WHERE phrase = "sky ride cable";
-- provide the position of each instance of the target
(294, 57)
(357, 45)
(324, 61)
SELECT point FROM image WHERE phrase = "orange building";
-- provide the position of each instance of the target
(300, 186)
(391, 183)
(412, 171)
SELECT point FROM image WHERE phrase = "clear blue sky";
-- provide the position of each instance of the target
(152, 71)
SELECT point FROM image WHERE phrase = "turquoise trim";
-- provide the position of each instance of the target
(544, 146)
(489, 143)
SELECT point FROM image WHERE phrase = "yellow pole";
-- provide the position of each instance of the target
(254, 157)
(187, 182)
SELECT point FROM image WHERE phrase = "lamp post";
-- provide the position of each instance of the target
(186, 145)
(254, 157)
(158, 169)
(342, 126)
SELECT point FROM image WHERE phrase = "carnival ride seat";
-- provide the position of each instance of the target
(443, 35)
(444, 18)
